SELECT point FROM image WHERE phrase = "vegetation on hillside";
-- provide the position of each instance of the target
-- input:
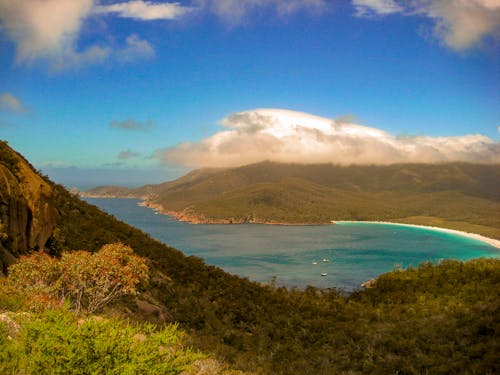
(459, 195)
(86, 281)
(435, 319)
(57, 342)
(412, 322)
(43, 332)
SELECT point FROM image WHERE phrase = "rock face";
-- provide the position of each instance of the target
(27, 210)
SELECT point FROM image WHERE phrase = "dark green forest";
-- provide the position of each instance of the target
(439, 319)
(436, 319)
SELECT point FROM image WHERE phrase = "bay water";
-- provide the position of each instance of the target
(341, 256)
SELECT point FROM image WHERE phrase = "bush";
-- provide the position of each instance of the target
(56, 342)
(87, 281)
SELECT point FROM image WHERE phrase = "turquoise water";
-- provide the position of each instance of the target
(356, 251)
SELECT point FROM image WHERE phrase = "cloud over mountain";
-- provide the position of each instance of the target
(288, 136)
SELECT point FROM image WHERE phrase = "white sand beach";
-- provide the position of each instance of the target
(475, 236)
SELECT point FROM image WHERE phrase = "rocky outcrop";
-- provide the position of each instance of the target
(27, 210)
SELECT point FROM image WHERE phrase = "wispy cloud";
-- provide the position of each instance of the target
(369, 8)
(458, 24)
(144, 10)
(71, 59)
(234, 11)
(128, 154)
(9, 102)
(131, 125)
(135, 49)
(288, 136)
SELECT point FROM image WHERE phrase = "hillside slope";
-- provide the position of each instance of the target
(432, 319)
(454, 195)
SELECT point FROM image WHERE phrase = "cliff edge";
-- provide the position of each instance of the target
(27, 210)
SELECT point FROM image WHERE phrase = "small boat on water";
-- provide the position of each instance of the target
(324, 274)
(314, 263)
(325, 260)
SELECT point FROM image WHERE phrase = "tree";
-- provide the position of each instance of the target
(87, 281)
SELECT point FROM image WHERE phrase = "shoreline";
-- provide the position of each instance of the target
(491, 241)
(192, 218)
(195, 219)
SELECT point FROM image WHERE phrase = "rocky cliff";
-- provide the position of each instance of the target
(27, 211)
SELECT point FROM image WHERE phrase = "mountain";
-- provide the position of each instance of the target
(454, 195)
(429, 319)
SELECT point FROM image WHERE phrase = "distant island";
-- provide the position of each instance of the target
(458, 196)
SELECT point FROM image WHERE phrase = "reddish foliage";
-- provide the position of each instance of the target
(87, 281)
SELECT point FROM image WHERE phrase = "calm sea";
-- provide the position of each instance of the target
(342, 255)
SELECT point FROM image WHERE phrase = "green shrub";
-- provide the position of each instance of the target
(10, 351)
(56, 342)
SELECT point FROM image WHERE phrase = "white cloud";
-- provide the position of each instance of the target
(144, 10)
(459, 24)
(288, 136)
(9, 102)
(43, 27)
(462, 24)
(368, 8)
(48, 30)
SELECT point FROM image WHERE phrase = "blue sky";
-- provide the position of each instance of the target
(142, 91)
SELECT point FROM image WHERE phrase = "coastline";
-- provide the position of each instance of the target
(187, 216)
(192, 218)
(490, 241)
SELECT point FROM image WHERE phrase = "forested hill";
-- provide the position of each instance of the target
(455, 195)
(437, 319)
